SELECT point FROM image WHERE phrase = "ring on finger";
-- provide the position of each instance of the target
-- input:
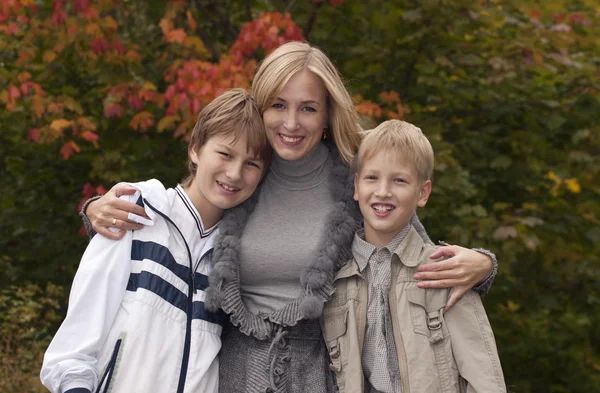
(114, 221)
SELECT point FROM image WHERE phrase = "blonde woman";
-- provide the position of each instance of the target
(277, 253)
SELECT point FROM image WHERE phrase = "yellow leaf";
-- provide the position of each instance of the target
(195, 44)
(512, 306)
(110, 23)
(552, 176)
(573, 185)
(60, 124)
(167, 123)
(4, 96)
(149, 86)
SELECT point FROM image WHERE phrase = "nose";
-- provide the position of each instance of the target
(291, 121)
(383, 190)
(234, 171)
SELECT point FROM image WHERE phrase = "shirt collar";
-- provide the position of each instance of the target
(363, 250)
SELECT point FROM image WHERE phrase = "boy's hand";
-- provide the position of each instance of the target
(463, 269)
(111, 211)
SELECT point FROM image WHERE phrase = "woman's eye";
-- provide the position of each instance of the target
(309, 109)
(371, 177)
(254, 164)
(227, 155)
(278, 105)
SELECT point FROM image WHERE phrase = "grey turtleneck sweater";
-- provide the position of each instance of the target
(285, 231)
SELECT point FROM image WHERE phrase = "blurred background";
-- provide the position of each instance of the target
(96, 92)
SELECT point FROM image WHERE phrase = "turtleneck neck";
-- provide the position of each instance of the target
(304, 173)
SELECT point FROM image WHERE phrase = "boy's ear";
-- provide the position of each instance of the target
(424, 193)
(193, 155)
(356, 186)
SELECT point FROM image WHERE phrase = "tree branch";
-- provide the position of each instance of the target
(248, 10)
(289, 6)
(311, 20)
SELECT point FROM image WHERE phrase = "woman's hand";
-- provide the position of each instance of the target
(110, 211)
(463, 269)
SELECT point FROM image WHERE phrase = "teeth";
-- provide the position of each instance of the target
(291, 140)
(228, 188)
(382, 209)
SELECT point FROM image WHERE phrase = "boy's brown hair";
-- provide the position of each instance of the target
(399, 137)
(234, 113)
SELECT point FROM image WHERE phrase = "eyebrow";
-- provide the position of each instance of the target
(229, 149)
(302, 102)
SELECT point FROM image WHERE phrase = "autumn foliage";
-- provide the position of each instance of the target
(97, 92)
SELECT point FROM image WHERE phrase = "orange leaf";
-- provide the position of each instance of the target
(24, 76)
(177, 35)
(59, 124)
(84, 123)
(142, 121)
(49, 56)
(191, 21)
(166, 26)
(133, 55)
(37, 104)
(69, 149)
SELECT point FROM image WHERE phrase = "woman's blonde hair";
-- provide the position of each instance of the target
(277, 69)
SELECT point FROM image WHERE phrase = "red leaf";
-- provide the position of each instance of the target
(118, 48)
(99, 45)
(59, 17)
(34, 134)
(90, 136)
(13, 93)
(80, 5)
(113, 110)
(135, 102)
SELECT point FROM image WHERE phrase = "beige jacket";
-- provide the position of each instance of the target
(437, 352)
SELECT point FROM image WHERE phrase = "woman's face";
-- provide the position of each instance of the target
(296, 118)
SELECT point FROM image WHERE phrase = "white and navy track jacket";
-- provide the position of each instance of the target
(136, 320)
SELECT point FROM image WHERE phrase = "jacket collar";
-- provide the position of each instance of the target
(410, 248)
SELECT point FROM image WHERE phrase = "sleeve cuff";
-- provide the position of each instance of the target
(484, 286)
(78, 390)
(86, 221)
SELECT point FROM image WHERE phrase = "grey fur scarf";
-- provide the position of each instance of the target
(317, 279)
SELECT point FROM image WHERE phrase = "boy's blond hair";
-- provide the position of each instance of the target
(234, 113)
(399, 137)
(288, 59)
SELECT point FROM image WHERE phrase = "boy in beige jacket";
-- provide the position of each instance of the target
(385, 334)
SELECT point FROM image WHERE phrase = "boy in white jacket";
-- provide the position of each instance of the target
(136, 320)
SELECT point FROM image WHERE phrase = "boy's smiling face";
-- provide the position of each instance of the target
(227, 175)
(388, 190)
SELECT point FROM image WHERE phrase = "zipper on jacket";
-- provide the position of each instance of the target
(191, 290)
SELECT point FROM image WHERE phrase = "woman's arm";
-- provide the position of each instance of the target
(464, 269)
(110, 211)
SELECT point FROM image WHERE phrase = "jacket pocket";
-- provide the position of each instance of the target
(109, 372)
(427, 312)
(335, 324)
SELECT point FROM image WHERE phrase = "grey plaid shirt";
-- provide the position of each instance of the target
(379, 357)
